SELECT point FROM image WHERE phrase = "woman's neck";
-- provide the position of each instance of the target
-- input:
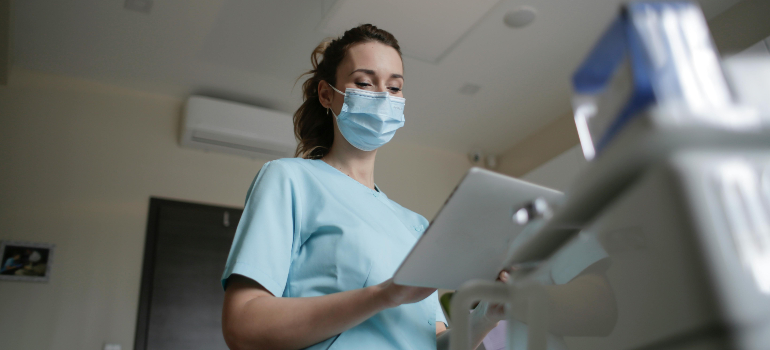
(357, 164)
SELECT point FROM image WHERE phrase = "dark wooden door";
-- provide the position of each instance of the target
(181, 296)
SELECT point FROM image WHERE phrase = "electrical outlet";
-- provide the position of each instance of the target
(112, 347)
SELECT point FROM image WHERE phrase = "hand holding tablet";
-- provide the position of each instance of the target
(470, 236)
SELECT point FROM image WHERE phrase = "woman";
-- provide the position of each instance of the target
(318, 241)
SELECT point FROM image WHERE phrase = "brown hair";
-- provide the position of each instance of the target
(313, 127)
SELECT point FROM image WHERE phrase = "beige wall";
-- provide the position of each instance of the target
(539, 147)
(741, 26)
(5, 40)
(560, 172)
(79, 163)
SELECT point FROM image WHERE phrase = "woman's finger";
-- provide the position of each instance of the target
(503, 276)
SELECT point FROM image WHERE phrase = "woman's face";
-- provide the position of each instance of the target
(371, 66)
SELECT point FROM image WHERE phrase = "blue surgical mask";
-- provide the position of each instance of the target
(369, 119)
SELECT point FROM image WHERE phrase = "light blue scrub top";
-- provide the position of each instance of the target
(310, 230)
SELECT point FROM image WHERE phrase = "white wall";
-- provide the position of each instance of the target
(79, 163)
(559, 172)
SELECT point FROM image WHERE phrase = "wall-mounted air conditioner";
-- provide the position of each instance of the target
(223, 126)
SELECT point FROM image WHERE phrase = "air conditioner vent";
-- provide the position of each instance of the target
(229, 127)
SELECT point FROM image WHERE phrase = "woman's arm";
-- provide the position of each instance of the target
(254, 318)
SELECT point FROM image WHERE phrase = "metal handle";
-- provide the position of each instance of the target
(537, 318)
(473, 291)
(469, 293)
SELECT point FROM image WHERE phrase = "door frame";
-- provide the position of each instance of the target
(148, 262)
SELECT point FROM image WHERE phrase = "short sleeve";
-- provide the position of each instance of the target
(581, 253)
(439, 310)
(264, 242)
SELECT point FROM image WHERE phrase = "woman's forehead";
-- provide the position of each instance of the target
(382, 59)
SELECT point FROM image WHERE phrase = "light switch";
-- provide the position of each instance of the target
(112, 347)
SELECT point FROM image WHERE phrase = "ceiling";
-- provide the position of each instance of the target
(253, 51)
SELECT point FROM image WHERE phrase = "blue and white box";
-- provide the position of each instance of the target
(655, 54)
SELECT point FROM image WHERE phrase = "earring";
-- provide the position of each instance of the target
(327, 111)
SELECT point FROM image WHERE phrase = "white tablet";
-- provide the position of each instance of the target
(469, 238)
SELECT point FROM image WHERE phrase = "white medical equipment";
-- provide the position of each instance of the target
(469, 237)
(678, 197)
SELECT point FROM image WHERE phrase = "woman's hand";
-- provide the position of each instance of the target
(396, 294)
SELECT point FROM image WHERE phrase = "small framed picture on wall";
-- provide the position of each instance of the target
(25, 261)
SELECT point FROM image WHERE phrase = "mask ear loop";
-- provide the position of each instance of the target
(335, 89)
(340, 92)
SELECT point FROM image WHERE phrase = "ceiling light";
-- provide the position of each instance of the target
(520, 17)
(469, 89)
(143, 6)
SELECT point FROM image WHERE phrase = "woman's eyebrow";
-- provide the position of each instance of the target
(371, 72)
(367, 71)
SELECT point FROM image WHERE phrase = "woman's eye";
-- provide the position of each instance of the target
(394, 90)
(363, 84)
